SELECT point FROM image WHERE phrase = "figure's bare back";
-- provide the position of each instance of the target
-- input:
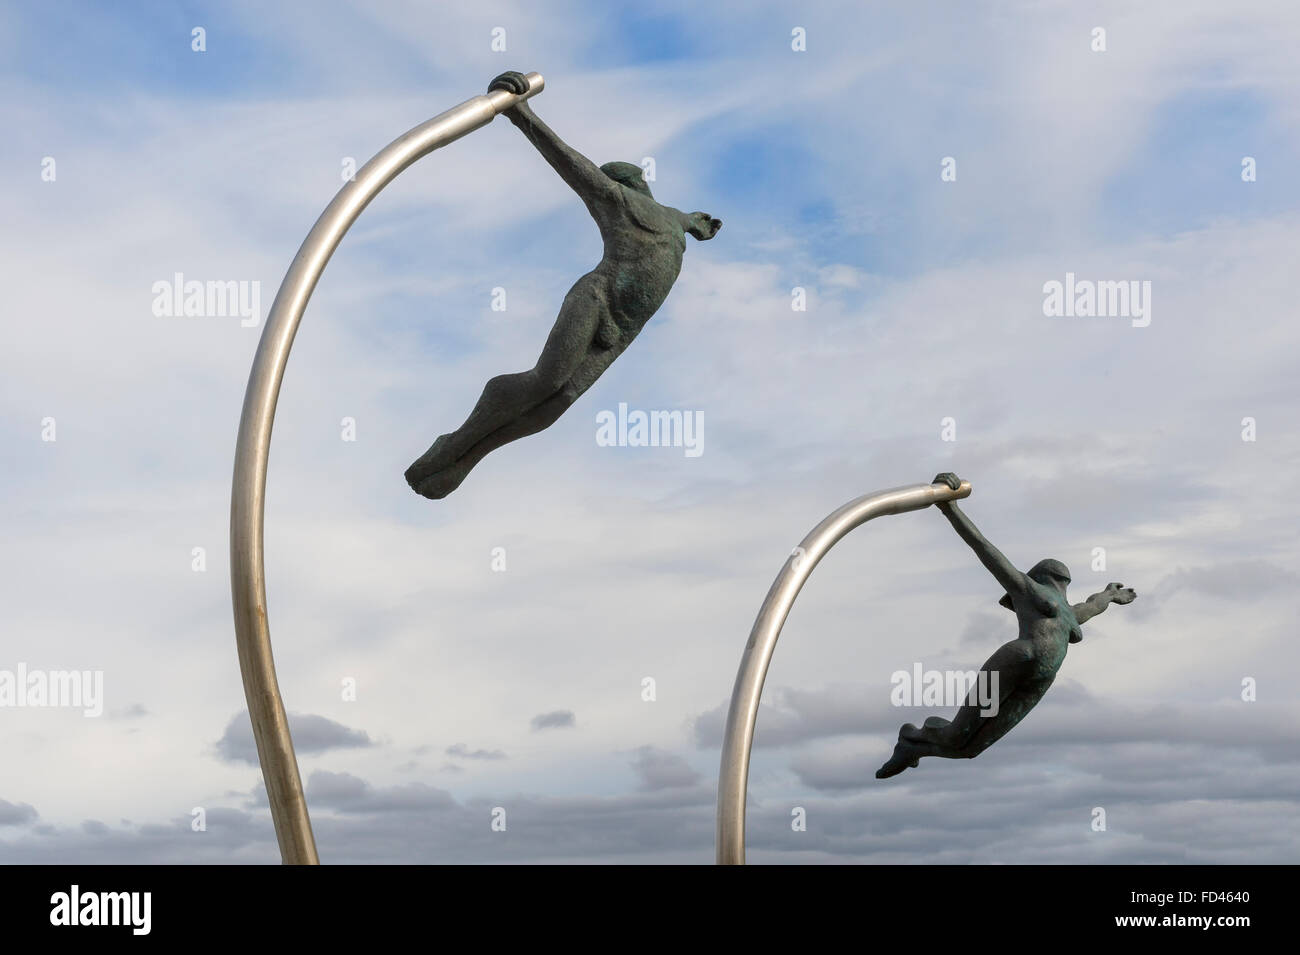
(643, 249)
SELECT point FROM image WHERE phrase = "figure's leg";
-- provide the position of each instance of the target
(972, 730)
(507, 398)
(443, 482)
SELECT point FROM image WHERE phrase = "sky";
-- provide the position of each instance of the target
(898, 184)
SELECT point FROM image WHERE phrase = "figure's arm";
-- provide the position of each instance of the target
(1114, 593)
(1007, 574)
(582, 175)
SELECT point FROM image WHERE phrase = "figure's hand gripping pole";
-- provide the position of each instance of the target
(252, 449)
(738, 738)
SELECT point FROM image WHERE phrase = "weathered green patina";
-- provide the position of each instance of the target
(1021, 671)
(604, 311)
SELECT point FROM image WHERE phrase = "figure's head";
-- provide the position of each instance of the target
(627, 174)
(1050, 573)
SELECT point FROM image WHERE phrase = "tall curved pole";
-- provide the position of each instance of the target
(733, 776)
(248, 492)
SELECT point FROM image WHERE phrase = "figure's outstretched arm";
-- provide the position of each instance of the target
(582, 175)
(1114, 593)
(1007, 574)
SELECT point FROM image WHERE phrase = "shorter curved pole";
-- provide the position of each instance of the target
(253, 448)
(738, 738)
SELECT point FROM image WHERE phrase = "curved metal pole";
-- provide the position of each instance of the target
(733, 777)
(248, 491)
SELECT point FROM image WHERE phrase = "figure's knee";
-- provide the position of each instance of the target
(524, 388)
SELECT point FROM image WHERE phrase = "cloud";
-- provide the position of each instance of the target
(556, 719)
(788, 716)
(311, 734)
(461, 751)
(1242, 581)
(131, 712)
(348, 793)
(1068, 714)
(659, 770)
(985, 629)
(1034, 805)
(16, 814)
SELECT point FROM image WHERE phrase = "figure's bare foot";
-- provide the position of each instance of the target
(430, 462)
(438, 484)
(906, 756)
(435, 474)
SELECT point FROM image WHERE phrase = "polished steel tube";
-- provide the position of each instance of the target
(738, 738)
(248, 491)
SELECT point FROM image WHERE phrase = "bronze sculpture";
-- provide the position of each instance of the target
(1024, 668)
(604, 311)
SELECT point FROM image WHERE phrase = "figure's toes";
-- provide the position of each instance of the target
(434, 487)
(441, 483)
(429, 462)
(904, 757)
(891, 768)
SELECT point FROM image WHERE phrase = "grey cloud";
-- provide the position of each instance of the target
(355, 822)
(792, 716)
(1078, 733)
(1241, 581)
(660, 770)
(311, 734)
(1069, 714)
(134, 711)
(556, 719)
(1029, 805)
(348, 793)
(461, 751)
(16, 814)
